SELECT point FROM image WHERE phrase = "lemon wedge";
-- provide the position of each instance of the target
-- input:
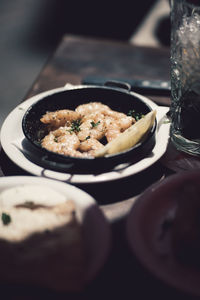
(129, 137)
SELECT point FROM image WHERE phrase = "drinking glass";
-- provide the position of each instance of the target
(185, 75)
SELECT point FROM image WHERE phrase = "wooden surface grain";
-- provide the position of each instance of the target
(78, 57)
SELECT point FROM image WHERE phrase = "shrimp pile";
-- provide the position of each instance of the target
(79, 133)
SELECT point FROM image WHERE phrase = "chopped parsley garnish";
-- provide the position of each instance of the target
(6, 219)
(136, 115)
(75, 127)
(87, 137)
(94, 124)
(55, 140)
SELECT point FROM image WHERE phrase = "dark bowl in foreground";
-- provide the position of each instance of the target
(150, 230)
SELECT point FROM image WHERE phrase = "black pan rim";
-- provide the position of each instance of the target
(66, 158)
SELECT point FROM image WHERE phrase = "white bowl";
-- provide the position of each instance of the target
(96, 230)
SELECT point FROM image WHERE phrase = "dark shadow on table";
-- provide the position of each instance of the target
(104, 19)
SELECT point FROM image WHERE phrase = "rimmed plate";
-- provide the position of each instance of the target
(96, 230)
(149, 231)
(13, 143)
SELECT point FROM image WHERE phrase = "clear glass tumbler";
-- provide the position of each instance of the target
(185, 75)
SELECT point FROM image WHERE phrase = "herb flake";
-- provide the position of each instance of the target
(75, 126)
(136, 115)
(6, 219)
(94, 124)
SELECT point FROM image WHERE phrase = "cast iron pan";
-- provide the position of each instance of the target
(117, 98)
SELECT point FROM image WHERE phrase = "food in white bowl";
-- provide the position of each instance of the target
(44, 234)
(37, 194)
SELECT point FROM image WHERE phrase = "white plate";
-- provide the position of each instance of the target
(12, 137)
(97, 237)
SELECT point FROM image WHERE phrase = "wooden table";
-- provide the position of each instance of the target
(75, 58)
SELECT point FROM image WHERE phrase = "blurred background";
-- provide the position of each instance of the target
(30, 30)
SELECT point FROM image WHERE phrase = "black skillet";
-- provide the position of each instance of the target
(116, 95)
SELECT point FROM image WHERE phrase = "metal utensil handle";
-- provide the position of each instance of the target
(118, 84)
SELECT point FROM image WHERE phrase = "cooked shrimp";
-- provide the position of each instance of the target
(123, 120)
(62, 117)
(77, 133)
(92, 107)
(61, 141)
(112, 129)
(115, 126)
(92, 126)
(94, 116)
(90, 144)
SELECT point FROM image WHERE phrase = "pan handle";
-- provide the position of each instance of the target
(45, 159)
(118, 84)
(56, 165)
